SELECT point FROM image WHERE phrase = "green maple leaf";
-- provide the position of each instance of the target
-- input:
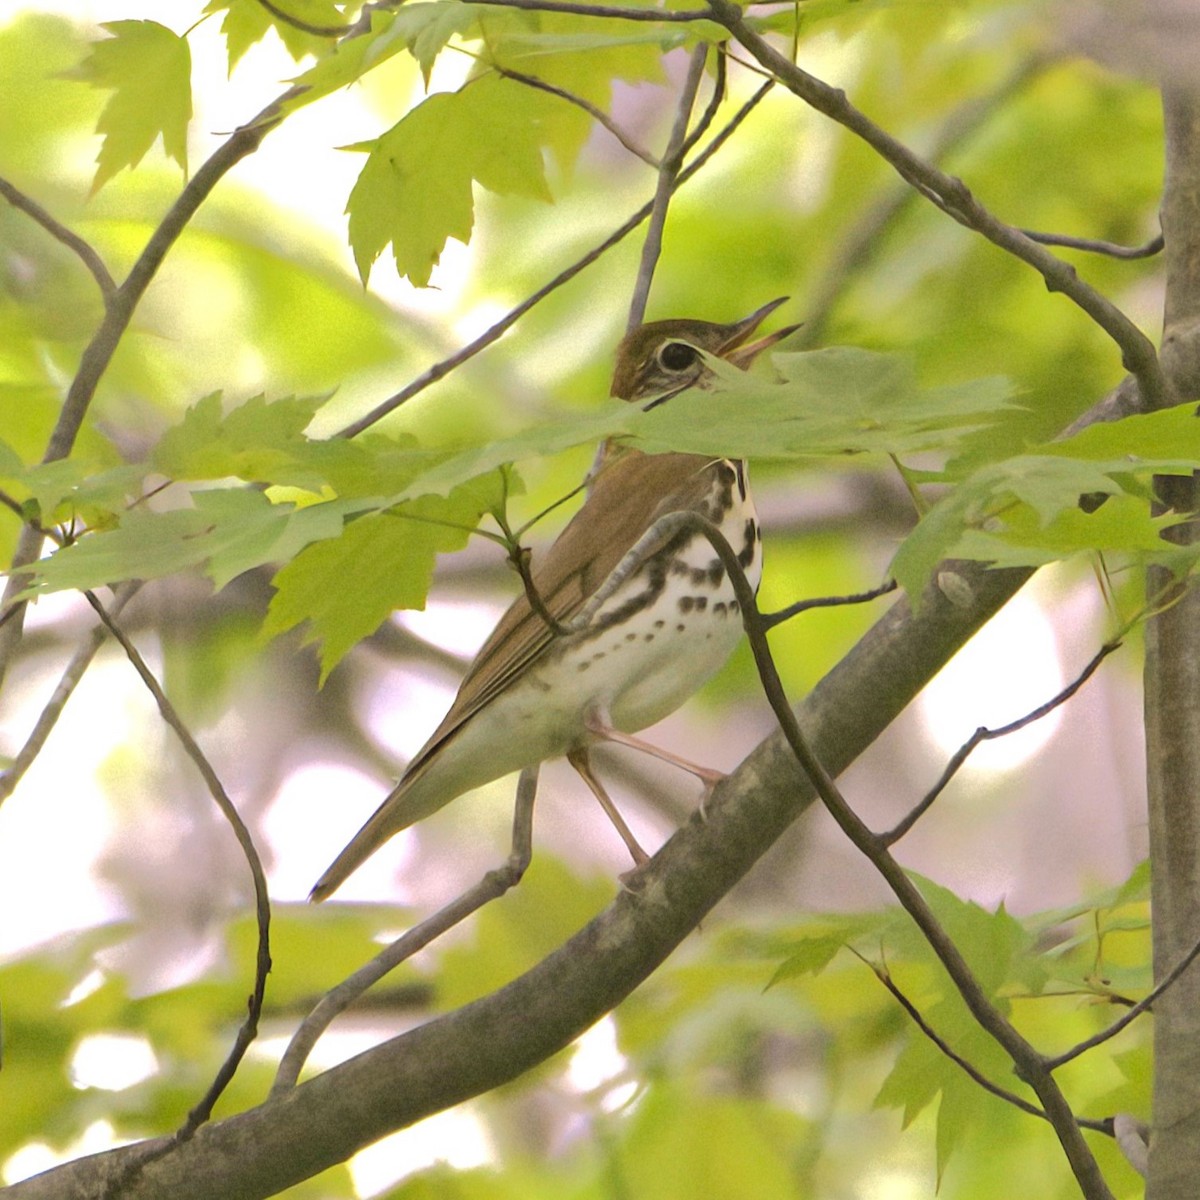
(247, 21)
(415, 194)
(346, 587)
(149, 70)
(422, 29)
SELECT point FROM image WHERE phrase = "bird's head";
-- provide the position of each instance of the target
(662, 358)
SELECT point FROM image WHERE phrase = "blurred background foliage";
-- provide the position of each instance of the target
(706, 1081)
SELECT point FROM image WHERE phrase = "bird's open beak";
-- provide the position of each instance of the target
(741, 353)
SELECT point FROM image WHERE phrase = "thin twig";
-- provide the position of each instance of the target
(710, 109)
(770, 620)
(1143, 1005)
(491, 887)
(668, 177)
(53, 708)
(519, 556)
(605, 11)
(492, 334)
(983, 734)
(262, 905)
(593, 110)
(119, 311)
(85, 252)
(1096, 246)
(1029, 1063)
(954, 198)
(325, 31)
(884, 976)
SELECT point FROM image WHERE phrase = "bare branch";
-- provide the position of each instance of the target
(1096, 246)
(493, 334)
(954, 198)
(85, 252)
(594, 111)
(249, 1027)
(983, 734)
(668, 177)
(491, 887)
(1143, 1005)
(48, 717)
(605, 11)
(770, 620)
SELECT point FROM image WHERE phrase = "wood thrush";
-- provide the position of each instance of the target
(535, 692)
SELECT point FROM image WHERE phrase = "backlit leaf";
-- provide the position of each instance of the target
(415, 195)
(148, 68)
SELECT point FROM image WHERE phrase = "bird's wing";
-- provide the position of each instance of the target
(629, 494)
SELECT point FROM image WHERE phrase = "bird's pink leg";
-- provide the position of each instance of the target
(578, 758)
(598, 725)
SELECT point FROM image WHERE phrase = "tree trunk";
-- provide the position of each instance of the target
(1172, 686)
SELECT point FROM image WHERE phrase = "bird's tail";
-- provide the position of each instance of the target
(405, 804)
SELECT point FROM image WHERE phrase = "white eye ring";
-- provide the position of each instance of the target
(676, 356)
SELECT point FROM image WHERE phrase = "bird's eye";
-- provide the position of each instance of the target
(677, 356)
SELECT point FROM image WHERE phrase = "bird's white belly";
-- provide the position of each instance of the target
(638, 670)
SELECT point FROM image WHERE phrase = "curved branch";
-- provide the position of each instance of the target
(83, 250)
(954, 198)
(48, 717)
(605, 11)
(118, 313)
(884, 976)
(325, 31)
(984, 734)
(593, 110)
(249, 1028)
(1147, 249)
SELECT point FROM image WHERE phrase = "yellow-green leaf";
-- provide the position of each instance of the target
(149, 70)
(414, 194)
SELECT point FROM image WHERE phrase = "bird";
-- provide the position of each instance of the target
(539, 690)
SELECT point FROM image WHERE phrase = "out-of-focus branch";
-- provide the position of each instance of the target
(53, 708)
(83, 250)
(249, 1027)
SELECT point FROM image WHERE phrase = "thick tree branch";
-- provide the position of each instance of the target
(495, 1039)
(1172, 715)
